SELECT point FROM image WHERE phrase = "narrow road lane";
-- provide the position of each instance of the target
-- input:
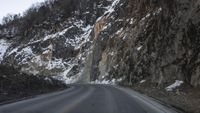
(88, 99)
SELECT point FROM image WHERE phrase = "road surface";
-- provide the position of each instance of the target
(89, 99)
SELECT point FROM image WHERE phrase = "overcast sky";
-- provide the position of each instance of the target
(15, 6)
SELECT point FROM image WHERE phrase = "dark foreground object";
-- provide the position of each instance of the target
(88, 99)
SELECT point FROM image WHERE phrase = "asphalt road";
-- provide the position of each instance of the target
(89, 99)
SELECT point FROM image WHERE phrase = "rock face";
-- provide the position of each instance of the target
(128, 40)
(142, 39)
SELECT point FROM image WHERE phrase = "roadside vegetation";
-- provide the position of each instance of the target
(16, 85)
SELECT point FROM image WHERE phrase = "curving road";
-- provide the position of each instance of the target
(89, 99)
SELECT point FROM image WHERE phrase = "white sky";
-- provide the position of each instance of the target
(15, 6)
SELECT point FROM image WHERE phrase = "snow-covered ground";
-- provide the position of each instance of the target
(139, 48)
(173, 86)
(142, 81)
(104, 81)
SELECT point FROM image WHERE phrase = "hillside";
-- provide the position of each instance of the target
(55, 45)
(126, 42)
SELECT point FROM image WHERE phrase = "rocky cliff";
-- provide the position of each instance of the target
(109, 40)
(148, 39)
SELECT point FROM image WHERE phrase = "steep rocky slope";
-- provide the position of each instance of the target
(56, 45)
(113, 40)
(153, 40)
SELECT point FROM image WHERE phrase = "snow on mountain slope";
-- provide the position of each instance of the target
(3, 48)
(106, 40)
(61, 54)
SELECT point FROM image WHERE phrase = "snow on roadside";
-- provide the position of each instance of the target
(142, 81)
(3, 48)
(176, 84)
(65, 79)
(104, 81)
(139, 48)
